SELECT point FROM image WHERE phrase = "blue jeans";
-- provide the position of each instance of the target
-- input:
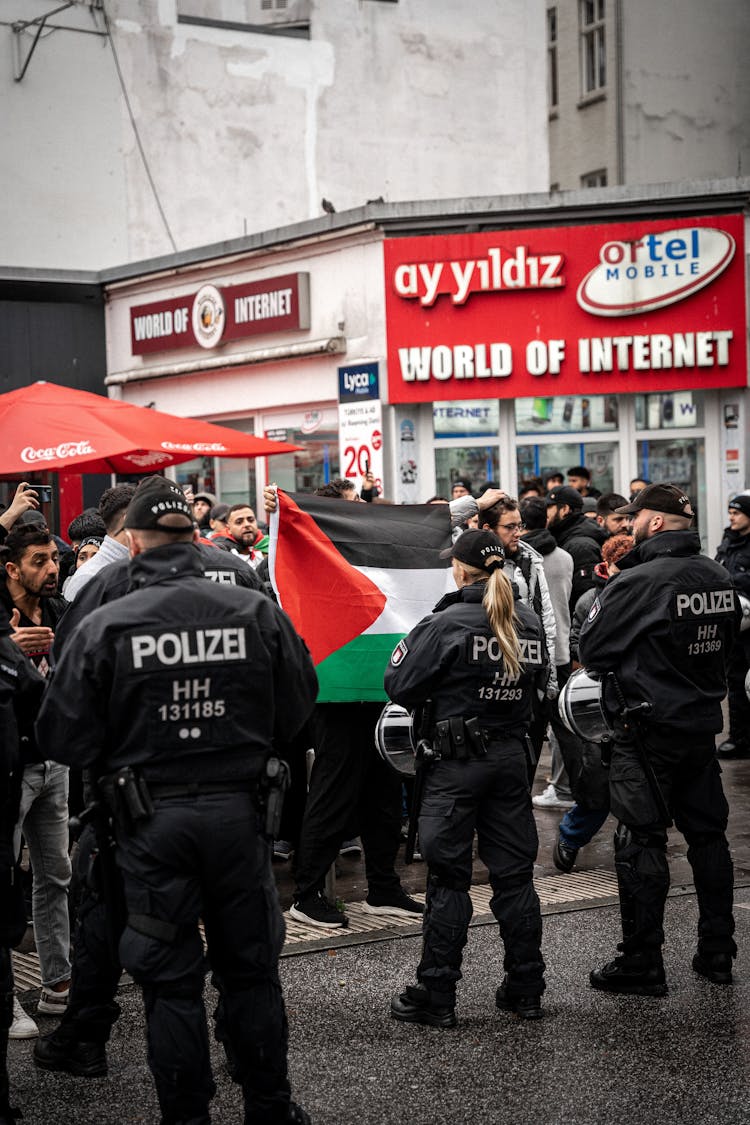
(43, 819)
(579, 826)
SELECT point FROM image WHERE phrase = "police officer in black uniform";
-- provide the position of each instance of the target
(78, 1043)
(663, 629)
(21, 689)
(177, 694)
(478, 658)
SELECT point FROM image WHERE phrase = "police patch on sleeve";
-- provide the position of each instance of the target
(399, 653)
(594, 611)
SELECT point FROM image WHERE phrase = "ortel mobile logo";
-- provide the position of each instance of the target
(56, 452)
(655, 270)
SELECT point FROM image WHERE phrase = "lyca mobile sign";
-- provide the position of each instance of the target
(596, 309)
(214, 315)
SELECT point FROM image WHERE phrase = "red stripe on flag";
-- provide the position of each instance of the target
(329, 601)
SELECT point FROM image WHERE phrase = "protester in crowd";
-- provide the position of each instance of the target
(648, 630)
(579, 477)
(577, 535)
(87, 523)
(203, 502)
(28, 593)
(607, 516)
(590, 779)
(636, 485)
(734, 556)
(243, 537)
(479, 658)
(20, 694)
(553, 480)
(25, 499)
(462, 486)
(589, 507)
(112, 507)
(217, 521)
(350, 788)
(533, 486)
(558, 570)
(191, 814)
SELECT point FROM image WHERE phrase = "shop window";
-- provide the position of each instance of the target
(199, 474)
(552, 91)
(601, 458)
(566, 414)
(672, 410)
(683, 462)
(593, 55)
(467, 418)
(477, 463)
(316, 464)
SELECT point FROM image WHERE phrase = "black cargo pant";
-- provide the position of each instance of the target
(96, 969)
(204, 857)
(489, 795)
(352, 791)
(689, 779)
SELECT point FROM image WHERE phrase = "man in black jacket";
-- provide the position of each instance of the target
(30, 600)
(734, 555)
(20, 691)
(576, 534)
(662, 631)
(176, 696)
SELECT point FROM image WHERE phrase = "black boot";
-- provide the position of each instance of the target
(416, 1004)
(563, 856)
(60, 1051)
(637, 974)
(525, 1007)
(716, 967)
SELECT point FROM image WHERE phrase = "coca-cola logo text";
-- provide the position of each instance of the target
(56, 452)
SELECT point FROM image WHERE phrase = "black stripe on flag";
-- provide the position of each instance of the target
(388, 536)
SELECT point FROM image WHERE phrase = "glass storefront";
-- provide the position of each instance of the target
(600, 457)
(478, 464)
(659, 436)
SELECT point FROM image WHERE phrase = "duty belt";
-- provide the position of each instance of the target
(461, 739)
(199, 788)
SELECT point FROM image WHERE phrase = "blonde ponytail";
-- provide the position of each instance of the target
(499, 604)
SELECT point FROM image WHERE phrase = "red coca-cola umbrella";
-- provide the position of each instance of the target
(48, 427)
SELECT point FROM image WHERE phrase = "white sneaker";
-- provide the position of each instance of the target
(550, 800)
(23, 1026)
(53, 1003)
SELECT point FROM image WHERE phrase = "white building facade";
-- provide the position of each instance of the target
(136, 128)
(494, 339)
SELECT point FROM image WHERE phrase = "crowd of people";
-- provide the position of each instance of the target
(166, 718)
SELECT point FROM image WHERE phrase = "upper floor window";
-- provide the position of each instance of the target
(552, 92)
(270, 17)
(595, 179)
(593, 54)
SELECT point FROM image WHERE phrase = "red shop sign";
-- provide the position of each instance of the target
(614, 308)
(213, 315)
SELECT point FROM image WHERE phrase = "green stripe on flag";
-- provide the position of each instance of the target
(355, 672)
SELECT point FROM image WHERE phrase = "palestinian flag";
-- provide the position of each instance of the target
(355, 578)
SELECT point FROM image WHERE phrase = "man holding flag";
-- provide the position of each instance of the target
(353, 579)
